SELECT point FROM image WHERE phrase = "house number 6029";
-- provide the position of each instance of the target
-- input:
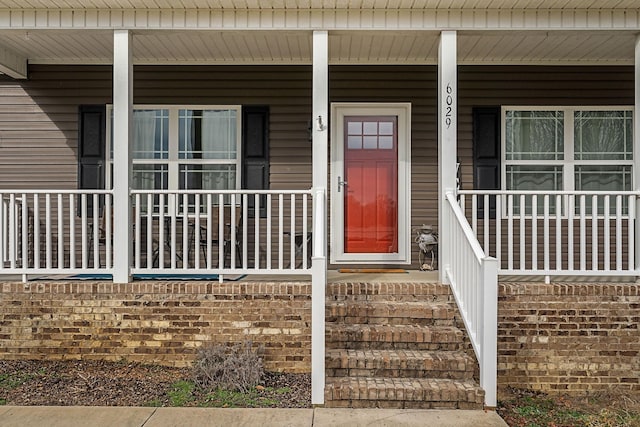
(449, 107)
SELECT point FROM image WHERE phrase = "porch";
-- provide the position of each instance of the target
(200, 212)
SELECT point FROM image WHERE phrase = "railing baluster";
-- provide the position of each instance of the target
(137, 231)
(25, 231)
(292, 236)
(256, 246)
(245, 232)
(209, 229)
(161, 231)
(12, 223)
(280, 232)
(474, 214)
(150, 250)
(534, 232)
(72, 231)
(47, 224)
(571, 209)
(174, 200)
(234, 221)
(631, 244)
(108, 229)
(304, 232)
(607, 237)
(583, 234)
(510, 231)
(221, 221)
(84, 224)
(196, 233)
(546, 232)
(269, 235)
(523, 240)
(558, 232)
(36, 230)
(96, 231)
(60, 235)
(619, 232)
(594, 232)
(185, 231)
(487, 214)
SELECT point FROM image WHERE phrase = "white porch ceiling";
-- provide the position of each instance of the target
(319, 4)
(346, 47)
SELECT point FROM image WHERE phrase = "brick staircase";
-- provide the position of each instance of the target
(398, 345)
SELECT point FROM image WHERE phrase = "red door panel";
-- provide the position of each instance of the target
(371, 193)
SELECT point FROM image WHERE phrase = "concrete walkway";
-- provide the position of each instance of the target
(77, 416)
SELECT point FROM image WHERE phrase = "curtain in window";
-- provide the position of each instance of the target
(218, 134)
(144, 134)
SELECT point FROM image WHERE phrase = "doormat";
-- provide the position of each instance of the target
(137, 277)
(372, 270)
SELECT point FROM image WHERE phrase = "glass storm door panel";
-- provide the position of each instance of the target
(370, 184)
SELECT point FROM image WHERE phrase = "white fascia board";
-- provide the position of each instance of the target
(323, 19)
(12, 64)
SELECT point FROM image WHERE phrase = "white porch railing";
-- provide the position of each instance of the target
(473, 279)
(230, 231)
(555, 232)
(185, 232)
(53, 232)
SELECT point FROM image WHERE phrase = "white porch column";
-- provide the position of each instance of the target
(447, 140)
(319, 122)
(636, 148)
(122, 134)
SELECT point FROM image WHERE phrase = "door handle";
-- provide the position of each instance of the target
(341, 183)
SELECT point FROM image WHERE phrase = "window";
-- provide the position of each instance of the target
(567, 148)
(183, 147)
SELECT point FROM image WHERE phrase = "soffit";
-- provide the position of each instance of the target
(319, 4)
(345, 47)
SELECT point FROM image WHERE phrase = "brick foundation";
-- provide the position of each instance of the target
(155, 322)
(569, 337)
(557, 337)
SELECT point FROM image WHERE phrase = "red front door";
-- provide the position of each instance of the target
(371, 188)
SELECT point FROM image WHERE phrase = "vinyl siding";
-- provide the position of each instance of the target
(540, 86)
(38, 117)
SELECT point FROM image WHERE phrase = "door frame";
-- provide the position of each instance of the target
(338, 112)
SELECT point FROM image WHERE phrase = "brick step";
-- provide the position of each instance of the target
(399, 364)
(399, 337)
(410, 393)
(391, 313)
(434, 292)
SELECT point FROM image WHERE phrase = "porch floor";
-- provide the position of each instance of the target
(333, 276)
(409, 276)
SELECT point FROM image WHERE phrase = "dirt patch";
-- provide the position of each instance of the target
(89, 383)
(526, 408)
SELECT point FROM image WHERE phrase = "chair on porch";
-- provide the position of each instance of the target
(226, 238)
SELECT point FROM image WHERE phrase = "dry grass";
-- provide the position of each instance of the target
(526, 408)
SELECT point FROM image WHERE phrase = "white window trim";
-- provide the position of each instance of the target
(569, 162)
(173, 161)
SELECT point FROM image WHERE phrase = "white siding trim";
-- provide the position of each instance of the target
(315, 19)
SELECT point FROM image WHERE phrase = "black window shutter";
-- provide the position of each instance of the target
(255, 152)
(91, 148)
(486, 154)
